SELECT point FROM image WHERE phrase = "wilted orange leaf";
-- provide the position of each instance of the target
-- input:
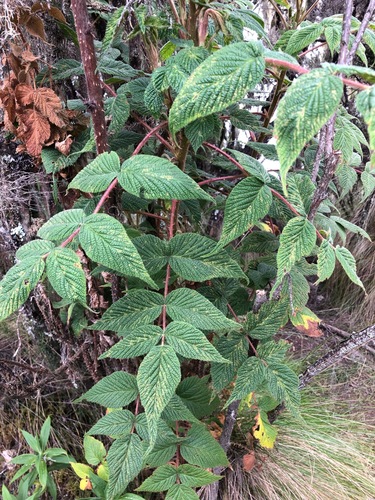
(306, 322)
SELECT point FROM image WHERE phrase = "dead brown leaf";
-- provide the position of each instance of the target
(34, 130)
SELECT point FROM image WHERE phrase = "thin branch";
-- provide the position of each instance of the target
(227, 156)
(281, 15)
(308, 12)
(354, 342)
(343, 56)
(312, 48)
(362, 29)
(341, 333)
(319, 154)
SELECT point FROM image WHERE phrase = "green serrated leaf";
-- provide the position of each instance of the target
(161, 479)
(197, 396)
(104, 240)
(221, 80)
(196, 258)
(124, 459)
(250, 377)
(62, 225)
(202, 129)
(302, 38)
(154, 100)
(234, 347)
(94, 450)
(349, 265)
(283, 384)
(306, 107)
(260, 242)
(190, 342)
(158, 377)
(151, 177)
(135, 343)
(326, 261)
(114, 391)
(112, 28)
(176, 410)
(34, 249)
(248, 202)
(272, 316)
(191, 307)
(115, 424)
(297, 240)
(98, 174)
(136, 308)
(65, 273)
(349, 226)
(118, 110)
(200, 448)
(368, 181)
(195, 477)
(181, 492)
(17, 284)
(251, 165)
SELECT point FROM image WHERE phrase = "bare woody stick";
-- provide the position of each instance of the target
(94, 89)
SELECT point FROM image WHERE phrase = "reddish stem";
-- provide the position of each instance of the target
(235, 162)
(113, 184)
(299, 69)
(218, 179)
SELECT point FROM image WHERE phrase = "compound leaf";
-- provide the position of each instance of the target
(98, 174)
(200, 448)
(136, 308)
(114, 424)
(196, 258)
(296, 241)
(135, 343)
(326, 261)
(349, 265)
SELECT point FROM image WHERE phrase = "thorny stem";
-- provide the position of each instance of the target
(93, 84)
